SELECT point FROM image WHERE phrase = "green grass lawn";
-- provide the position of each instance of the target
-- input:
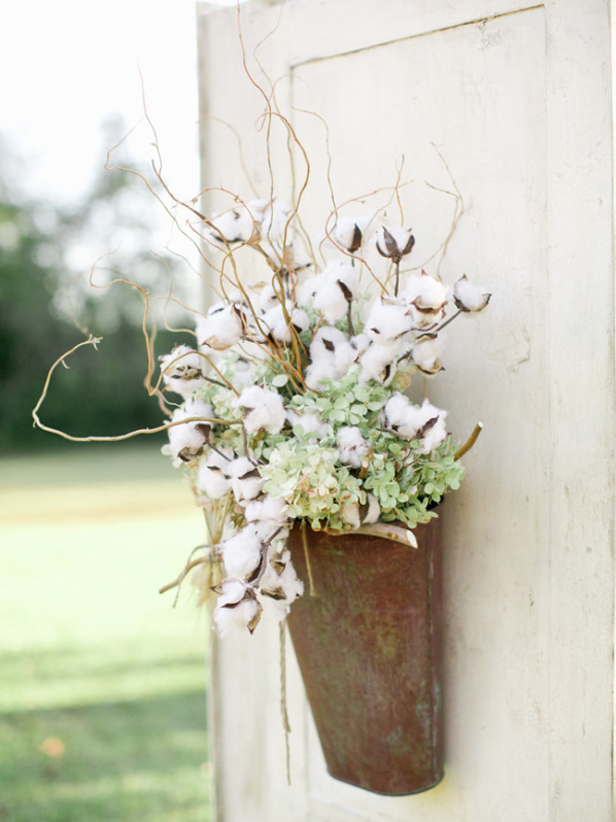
(102, 682)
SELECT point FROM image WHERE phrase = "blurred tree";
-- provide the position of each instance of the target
(102, 392)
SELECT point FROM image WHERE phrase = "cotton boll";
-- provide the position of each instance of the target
(272, 533)
(378, 362)
(222, 458)
(360, 342)
(188, 440)
(316, 373)
(425, 292)
(240, 467)
(336, 287)
(310, 287)
(348, 233)
(181, 370)
(344, 357)
(468, 297)
(404, 418)
(280, 583)
(233, 226)
(325, 341)
(247, 488)
(388, 322)
(394, 242)
(279, 326)
(180, 363)
(426, 354)
(257, 209)
(426, 319)
(211, 481)
(411, 422)
(242, 553)
(352, 447)
(331, 301)
(437, 431)
(213, 473)
(275, 222)
(290, 585)
(269, 508)
(267, 298)
(394, 411)
(264, 409)
(331, 356)
(222, 327)
(243, 374)
(310, 422)
(246, 482)
(237, 608)
(344, 274)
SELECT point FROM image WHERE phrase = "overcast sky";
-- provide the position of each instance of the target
(67, 65)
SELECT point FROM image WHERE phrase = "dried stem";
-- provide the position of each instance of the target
(469, 442)
(187, 569)
(307, 556)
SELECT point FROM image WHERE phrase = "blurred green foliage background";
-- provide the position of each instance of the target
(47, 306)
(102, 682)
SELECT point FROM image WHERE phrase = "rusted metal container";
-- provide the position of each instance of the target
(368, 644)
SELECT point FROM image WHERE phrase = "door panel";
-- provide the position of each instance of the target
(510, 105)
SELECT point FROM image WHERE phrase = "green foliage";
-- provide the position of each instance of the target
(305, 470)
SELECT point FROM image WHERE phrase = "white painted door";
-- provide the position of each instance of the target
(516, 101)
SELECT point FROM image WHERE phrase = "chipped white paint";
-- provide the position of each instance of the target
(517, 99)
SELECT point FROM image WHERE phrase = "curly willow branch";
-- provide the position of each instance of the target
(94, 341)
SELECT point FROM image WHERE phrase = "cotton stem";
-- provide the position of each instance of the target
(469, 442)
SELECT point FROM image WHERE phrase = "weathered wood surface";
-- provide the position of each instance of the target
(517, 100)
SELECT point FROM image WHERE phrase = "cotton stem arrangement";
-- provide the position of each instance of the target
(292, 409)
